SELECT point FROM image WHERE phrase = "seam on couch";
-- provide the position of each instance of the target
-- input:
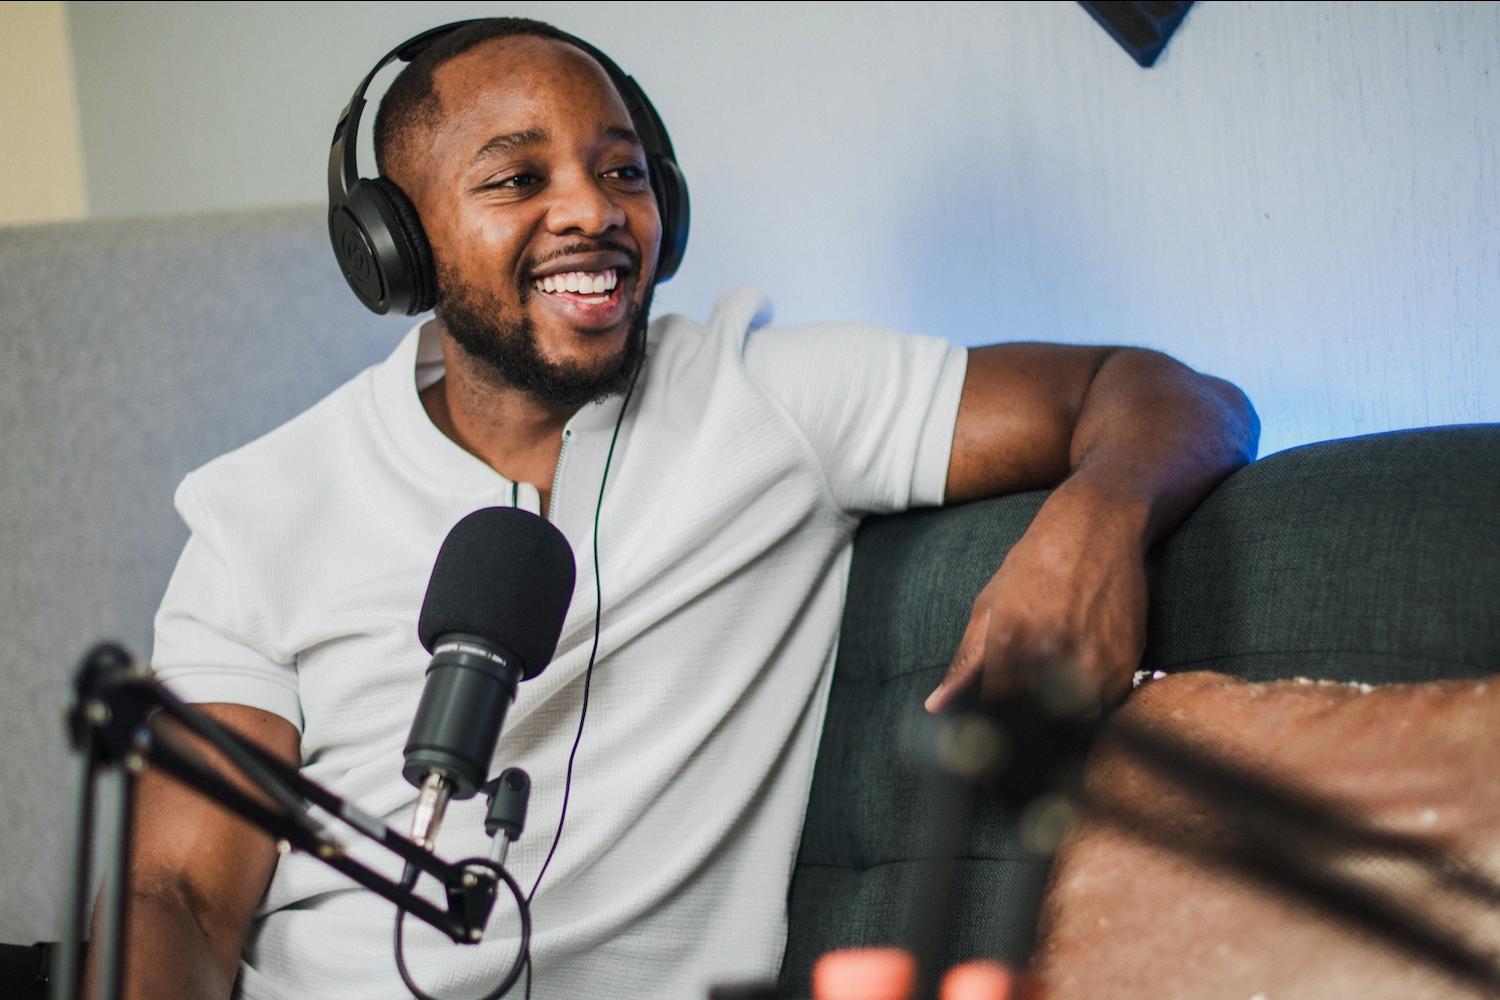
(1406, 655)
(868, 681)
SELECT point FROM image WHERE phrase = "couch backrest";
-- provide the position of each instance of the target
(1370, 559)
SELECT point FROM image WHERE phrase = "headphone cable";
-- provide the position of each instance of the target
(588, 674)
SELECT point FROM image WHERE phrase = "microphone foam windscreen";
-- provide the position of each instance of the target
(504, 575)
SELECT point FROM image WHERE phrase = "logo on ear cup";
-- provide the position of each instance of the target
(356, 256)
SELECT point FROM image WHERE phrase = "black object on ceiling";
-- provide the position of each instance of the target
(1142, 27)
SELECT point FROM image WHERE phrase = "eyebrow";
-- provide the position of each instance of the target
(621, 134)
(510, 141)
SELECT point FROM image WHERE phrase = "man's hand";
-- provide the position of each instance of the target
(1065, 616)
(1132, 441)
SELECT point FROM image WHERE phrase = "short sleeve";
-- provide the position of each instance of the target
(209, 643)
(877, 405)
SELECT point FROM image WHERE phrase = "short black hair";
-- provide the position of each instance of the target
(410, 102)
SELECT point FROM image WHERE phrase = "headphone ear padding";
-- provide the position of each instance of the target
(411, 238)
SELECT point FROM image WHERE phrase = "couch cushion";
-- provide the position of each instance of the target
(1147, 907)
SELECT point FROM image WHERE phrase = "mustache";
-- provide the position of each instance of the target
(590, 246)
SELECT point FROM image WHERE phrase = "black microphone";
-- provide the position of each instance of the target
(493, 613)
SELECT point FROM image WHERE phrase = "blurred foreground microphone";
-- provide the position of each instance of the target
(492, 616)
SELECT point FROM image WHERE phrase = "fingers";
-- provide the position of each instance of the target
(967, 662)
(891, 974)
(1070, 636)
(1021, 658)
(999, 657)
(996, 658)
(865, 974)
(979, 980)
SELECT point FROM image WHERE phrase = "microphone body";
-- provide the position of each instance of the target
(471, 684)
(493, 613)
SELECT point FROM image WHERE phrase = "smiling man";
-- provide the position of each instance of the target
(738, 459)
(539, 233)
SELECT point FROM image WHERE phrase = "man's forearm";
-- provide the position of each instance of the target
(168, 955)
(198, 870)
(1146, 439)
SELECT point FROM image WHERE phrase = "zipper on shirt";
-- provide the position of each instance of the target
(557, 473)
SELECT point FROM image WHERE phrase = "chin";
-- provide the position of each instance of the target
(506, 354)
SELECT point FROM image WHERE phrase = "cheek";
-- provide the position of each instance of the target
(482, 251)
(491, 235)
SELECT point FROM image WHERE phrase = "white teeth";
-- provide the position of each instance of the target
(579, 282)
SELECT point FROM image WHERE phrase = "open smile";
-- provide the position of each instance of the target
(590, 300)
(589, 286)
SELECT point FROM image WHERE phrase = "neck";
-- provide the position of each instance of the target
(509, 430)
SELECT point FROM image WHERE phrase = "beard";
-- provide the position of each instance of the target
(507, 353)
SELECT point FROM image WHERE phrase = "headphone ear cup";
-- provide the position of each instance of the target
(670, 188)
(411, 240)
(382, 249)
(358, 258)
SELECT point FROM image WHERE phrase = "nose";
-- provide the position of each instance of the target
(582, 205)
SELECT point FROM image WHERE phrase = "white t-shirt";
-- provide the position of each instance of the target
(747, 456)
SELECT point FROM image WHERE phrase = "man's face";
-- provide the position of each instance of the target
(534, 194)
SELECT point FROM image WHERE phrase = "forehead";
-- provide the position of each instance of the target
(524, 77)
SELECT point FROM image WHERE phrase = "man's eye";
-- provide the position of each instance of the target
(628, 172)
(513, 182)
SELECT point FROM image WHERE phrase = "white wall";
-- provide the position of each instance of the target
(1301, 196)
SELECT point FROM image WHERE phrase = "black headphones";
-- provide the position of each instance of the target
(378, 238)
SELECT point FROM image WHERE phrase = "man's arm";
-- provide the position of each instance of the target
(1132, 441)
(197, 874)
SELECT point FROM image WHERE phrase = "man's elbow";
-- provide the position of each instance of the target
(1240, 421)
(1225, 418)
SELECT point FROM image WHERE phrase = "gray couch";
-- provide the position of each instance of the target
(133, 351)
(1373, 559)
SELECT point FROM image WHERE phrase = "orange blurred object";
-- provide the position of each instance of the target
(865, 974)
(978, 980)
(891, 974)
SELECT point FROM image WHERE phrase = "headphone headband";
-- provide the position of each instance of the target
(377, 235)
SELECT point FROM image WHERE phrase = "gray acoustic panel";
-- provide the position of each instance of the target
(130, 352)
